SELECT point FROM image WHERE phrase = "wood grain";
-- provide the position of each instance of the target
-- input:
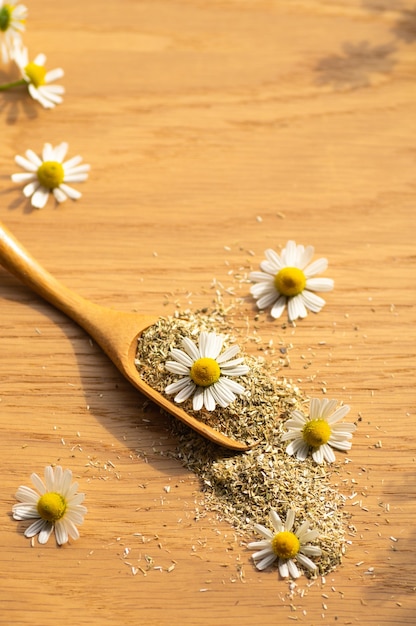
(214, 129)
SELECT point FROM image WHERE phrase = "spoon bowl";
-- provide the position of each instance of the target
(116, 332)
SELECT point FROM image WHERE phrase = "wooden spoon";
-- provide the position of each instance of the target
(115, 331)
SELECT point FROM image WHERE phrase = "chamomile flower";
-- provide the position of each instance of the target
(55, 506)
(318, 432)
(50, 174)
(289, 279)
(285, 545)
(205, 372)
(38, 79)
(12, 24)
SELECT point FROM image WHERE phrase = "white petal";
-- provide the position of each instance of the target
(36, 95)
(59, 195)
(27, 495)
(61, 533)
(25, 511)
(290, 254)
(302, 530)
(328, 453)
(283, 568)
(261, 277)
(304, 256)
(222, 394)
(40, 198)
(278, 307)
(228, 354)
(234, 370)
(40, 59)
(293, 570)
(71, 529)
(341, 445)
(311, 551)
(265, 562)
(269, 268)
(48, 152)
(177, 368)
(265, 532)
(50, 479)
(233, 386)
(313, 302)
(209, 400)
(308, 535)
(198, 399)
(72, 163)
(38, 483)
(298, 417)
(23, 177)
(298, 448)
(276, 521)
(212, 345)
(303, 560)
(60, 152)
(54, 75)
(55, 89)
(292, 434)
(182, 357)
(80, 170)
(35, 528)
(318, 455)
(327, 407)
(27, 164)
(178, 385)
(191, 349)
(49, 95)
(338, 414)
(30, 189)
(317, 267)
(261, 289)
(320, 284)
(274, 258)
(315, 409)
(267, 299)
(290, 519)
(296, 308)
(65, 483)
(185, 392)
(72, 193)
(343, 429)
(45, 533)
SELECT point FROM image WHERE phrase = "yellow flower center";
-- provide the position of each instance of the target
(35, 73)
(51, 506)
(316, 432)
(290, 281)
(5, 17)
(205, 372)
(285, 545)
(50, 174)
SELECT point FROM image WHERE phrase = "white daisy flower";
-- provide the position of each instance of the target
(38, 79)
(288, 278)
(205, 372)
(319, 432)
(12, 24)
(50, 174)
(285, 545)
(57, 507)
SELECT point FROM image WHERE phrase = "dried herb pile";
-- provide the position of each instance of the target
(242, 488)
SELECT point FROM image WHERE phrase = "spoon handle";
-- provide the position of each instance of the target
(21, 264)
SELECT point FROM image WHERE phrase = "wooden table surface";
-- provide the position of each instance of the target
(215, 129)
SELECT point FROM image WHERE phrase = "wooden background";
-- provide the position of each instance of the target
(214, 129)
